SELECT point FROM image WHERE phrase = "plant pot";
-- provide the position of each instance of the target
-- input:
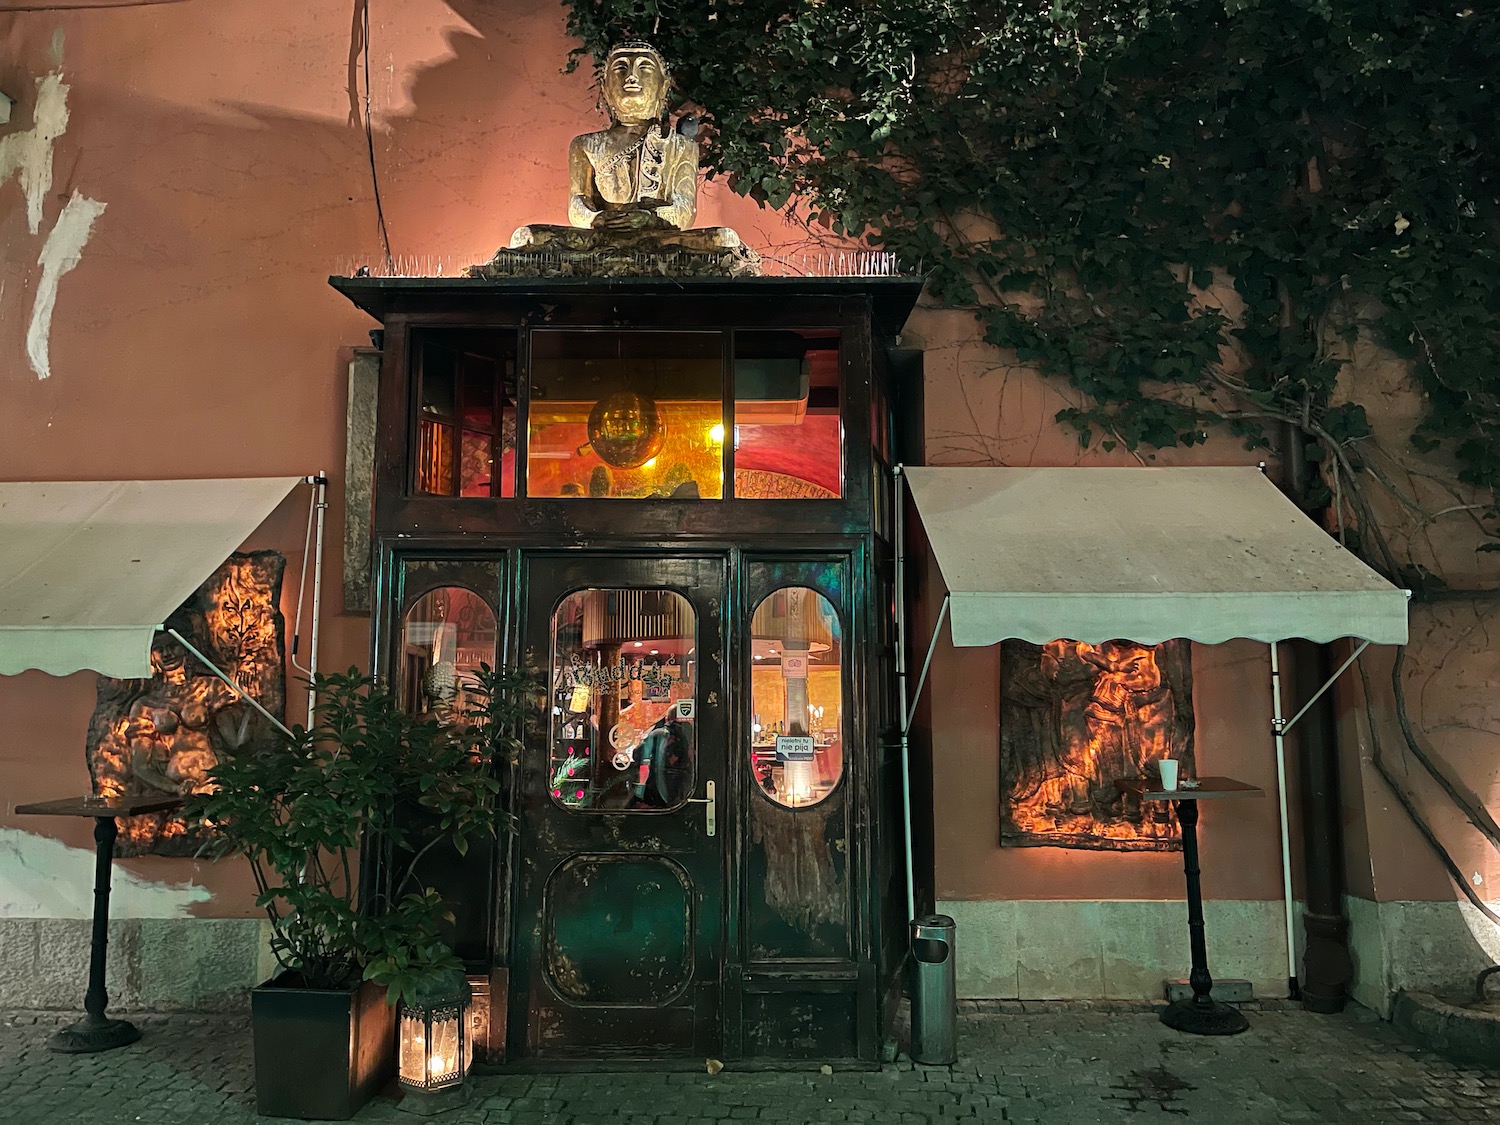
(319, 1054)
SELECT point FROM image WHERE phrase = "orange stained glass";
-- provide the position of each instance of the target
(435, 458)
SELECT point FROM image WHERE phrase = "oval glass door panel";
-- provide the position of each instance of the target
(623, 701)
(618, 929)
(446, 635)
(796, 678)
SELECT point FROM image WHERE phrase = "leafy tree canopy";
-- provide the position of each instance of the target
(1081, 171)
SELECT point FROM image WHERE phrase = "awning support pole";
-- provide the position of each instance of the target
(1294, 991)
(239, 693)
(317, 507)
(926, 664)
(321, 483)
(909, 703)
(900, 520)
(1344, 667)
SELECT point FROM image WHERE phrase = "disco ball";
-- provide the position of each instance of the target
(626, 429)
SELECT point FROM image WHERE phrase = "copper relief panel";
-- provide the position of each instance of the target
(1073, 718)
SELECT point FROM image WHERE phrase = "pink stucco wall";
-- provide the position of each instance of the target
(197, 337)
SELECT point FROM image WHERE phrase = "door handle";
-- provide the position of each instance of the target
(710, 814)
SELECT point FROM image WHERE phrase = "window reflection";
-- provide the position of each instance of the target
(623, 700)
(797, 750)
(787, 431)
(446, 635)
(466, 423)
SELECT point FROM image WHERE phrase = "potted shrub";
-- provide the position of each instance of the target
(301, 808)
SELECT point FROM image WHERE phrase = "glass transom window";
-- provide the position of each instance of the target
(626, 415)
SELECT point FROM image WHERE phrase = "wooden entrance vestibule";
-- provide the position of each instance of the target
(672, 502)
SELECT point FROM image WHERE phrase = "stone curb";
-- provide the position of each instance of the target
(1469, 1035)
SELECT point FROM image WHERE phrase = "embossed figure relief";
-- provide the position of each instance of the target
(163, 734)
(1073, 718)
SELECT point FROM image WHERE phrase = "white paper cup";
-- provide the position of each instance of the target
(1168, 768)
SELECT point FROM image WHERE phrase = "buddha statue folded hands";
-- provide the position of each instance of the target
(633, 192)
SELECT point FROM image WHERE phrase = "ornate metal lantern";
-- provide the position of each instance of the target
(435, 1045)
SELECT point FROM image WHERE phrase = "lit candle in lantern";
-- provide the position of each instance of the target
(434, 1048)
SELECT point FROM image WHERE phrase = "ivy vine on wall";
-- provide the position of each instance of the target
(1175, 206)
(1082, 172)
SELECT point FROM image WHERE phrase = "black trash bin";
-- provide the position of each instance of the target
(934, 991)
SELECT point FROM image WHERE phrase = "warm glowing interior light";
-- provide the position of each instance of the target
(716, 433)
(651, 464)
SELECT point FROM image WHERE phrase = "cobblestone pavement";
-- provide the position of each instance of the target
(1049, 1063)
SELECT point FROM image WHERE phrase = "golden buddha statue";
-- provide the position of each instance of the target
(635, 175)
(632, 192)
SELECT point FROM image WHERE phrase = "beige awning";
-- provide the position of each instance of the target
(89, 569)
(1142, 555)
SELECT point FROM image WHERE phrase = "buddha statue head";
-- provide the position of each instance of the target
(635, 83)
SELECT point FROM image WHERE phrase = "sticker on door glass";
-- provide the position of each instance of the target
(623, 687)
(794, 748)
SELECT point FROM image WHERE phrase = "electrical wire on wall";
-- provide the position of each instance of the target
(361, 46)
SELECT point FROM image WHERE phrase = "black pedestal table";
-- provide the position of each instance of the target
(95, 1032)
(1200, 1014)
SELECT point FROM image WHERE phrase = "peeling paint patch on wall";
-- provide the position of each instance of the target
(28, 154)
(60, 253)
(44, 878)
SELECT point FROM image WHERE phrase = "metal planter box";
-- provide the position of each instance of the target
(320, 1055)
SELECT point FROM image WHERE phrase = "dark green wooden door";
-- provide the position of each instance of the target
(619, 908)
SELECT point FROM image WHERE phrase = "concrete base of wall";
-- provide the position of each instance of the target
(165, 964)
(1040, 950)
(1050, 950)
(1435, 947)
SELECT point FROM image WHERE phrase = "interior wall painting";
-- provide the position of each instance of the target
(1073, 718)
(163, 734)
